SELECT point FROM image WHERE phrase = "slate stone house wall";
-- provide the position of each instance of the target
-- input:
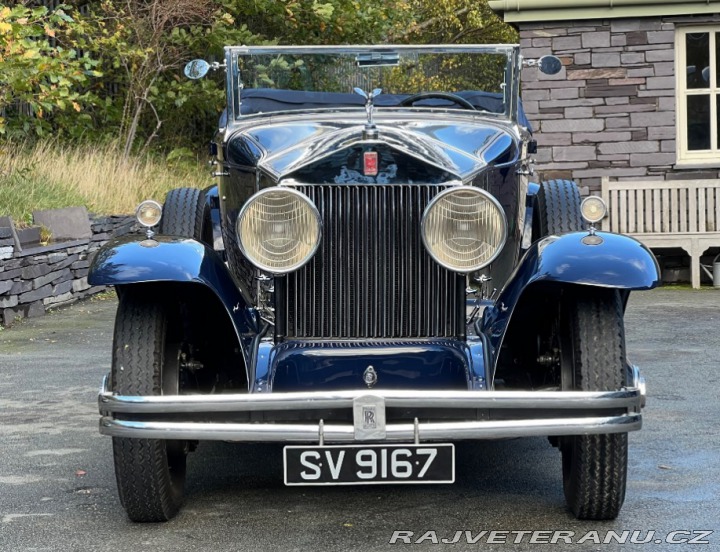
(612, 110)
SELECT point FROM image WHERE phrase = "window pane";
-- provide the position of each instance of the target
(717, 121)
(698, 122)
(717, 60)
(698, 60)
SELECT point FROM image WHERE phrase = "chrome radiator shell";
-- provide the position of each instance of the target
(371, 276)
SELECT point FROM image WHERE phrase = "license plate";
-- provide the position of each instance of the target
(369, 464)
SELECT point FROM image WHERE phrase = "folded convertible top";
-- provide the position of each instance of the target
(267, 100)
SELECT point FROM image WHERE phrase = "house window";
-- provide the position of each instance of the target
(698, 94)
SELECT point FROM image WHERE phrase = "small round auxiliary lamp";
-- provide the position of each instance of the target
(148, 214)
(593, 210)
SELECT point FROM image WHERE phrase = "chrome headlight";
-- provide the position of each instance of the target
(279, 230)
(464, 229)
(593, 209)
(148, 213)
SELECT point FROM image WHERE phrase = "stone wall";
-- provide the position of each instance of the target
(611, 110)
(36, 279)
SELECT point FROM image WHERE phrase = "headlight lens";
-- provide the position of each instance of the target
(593, 209)
(464, 229)
(279, 230)
(148, 213)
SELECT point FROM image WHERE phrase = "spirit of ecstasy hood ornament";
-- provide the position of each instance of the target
(370, 130)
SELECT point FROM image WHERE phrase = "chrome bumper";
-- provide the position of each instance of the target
(369, 408)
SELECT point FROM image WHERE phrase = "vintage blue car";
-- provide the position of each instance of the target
(374, 277)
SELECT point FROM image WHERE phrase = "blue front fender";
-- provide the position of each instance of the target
(134, 260)
(603, 260)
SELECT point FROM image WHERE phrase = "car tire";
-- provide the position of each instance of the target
(187, 215)
(595, 466)
(558, 206)
(150, 473)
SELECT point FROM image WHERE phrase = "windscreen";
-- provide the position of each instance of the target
(285, 79)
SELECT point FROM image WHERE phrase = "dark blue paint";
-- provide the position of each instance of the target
(264, 356)
(244, 153)
(477, 363)
(618, 262)
(322, 365)
(212, 198)
(134, 260)
(212, 204)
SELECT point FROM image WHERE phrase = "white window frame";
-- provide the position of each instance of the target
(684, 155)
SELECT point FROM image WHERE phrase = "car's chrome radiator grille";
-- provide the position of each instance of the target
(371, 276)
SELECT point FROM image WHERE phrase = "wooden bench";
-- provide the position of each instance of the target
(666, 213)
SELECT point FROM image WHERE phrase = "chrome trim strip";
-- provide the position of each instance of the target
(362, 48)
(629, 398)
(394, 432)
(638, 381)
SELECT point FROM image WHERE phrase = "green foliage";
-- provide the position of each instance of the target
(143, 49)
(43, 77)
(322, 22)
(455, 22)
(128, 86)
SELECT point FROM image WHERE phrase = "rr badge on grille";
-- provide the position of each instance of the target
(369, 418)
(370, 163)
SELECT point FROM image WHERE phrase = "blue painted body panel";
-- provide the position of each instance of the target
(617, 261)
(328, 365)
(134, 260)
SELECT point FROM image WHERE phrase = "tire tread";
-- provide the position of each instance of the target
(141, 465)
(183, 213)
(595, 485)
(559, 206)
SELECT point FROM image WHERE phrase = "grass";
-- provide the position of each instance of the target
(49, 175)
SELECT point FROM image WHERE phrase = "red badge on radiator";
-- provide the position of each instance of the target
(370, 163)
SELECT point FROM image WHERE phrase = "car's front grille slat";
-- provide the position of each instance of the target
(371, 277)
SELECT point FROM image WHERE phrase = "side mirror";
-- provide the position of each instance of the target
(196, 69)
(550, 65)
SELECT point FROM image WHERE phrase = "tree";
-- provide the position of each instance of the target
(455, 22)
(329, 22)
(43, 74)
(144, 43)
(142, 99)
(139, 38)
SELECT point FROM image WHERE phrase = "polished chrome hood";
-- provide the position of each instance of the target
(462, 148)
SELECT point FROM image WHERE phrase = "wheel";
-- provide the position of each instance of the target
(186, 214)
(150, 473)
(593, 351)
(459, 100)
(558, 206)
